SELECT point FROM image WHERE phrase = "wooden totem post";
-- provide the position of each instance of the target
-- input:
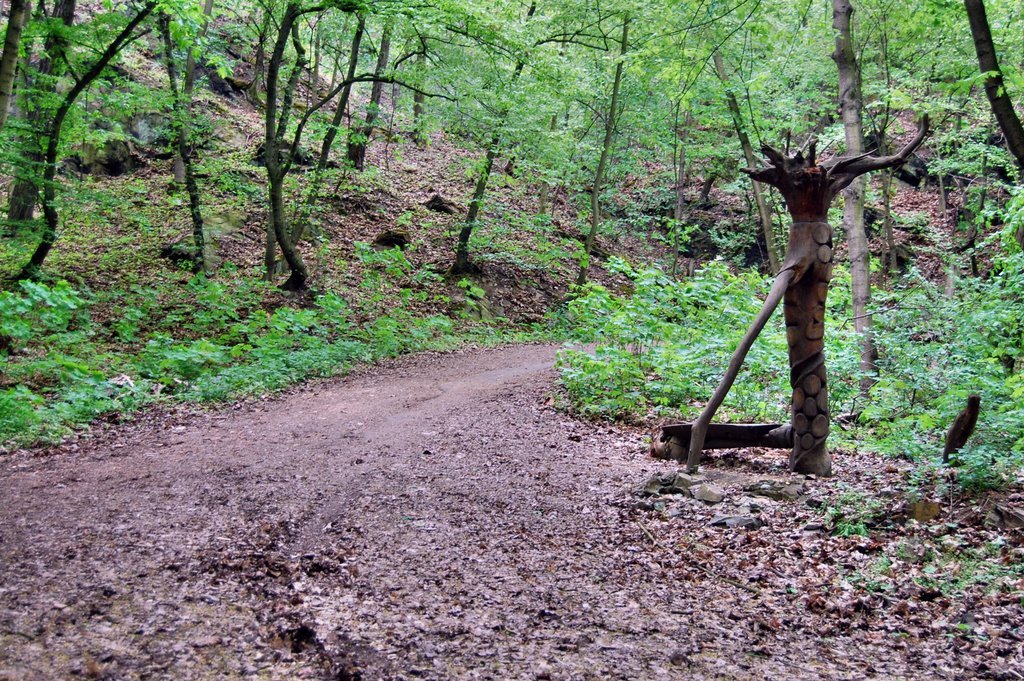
(802, 286)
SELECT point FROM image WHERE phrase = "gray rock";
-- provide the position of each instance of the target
(745, 522)
(707, 493)
(685, 481)
(775, 489)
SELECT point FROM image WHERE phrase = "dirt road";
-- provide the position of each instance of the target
(431, 518)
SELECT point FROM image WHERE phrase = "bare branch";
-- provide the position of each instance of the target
(843, 171)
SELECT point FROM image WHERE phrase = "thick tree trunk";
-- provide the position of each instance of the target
(16, 17)
(763, 211)
(853, 207)
(995, 89)
(419, 100)
(606, 146)
(357, 144)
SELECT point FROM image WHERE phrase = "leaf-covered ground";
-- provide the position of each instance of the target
(436, 518)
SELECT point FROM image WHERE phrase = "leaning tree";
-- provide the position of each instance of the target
(802, 285)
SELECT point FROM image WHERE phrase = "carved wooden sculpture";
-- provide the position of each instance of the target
(802, 284)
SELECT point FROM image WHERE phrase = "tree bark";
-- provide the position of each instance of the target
(357, 144)
(274, 130)
(53, 140)
(339, 111)
(853, 199)
(995, 89)
(181, 133)
(16, 17)
(606, 145)
(763, 211)
(419, 101)
(462, 263)
(25, 192)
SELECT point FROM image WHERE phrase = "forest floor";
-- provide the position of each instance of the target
(436, 517)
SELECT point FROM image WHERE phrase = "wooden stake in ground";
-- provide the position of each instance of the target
(802, 287)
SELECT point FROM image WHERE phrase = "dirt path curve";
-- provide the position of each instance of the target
(431, 518)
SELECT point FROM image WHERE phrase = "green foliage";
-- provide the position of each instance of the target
(209, 340)
(36, 310)
(661, 350)
(852, 513)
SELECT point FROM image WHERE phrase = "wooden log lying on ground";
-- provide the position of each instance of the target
(672, 441)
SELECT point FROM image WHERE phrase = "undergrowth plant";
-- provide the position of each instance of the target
(660, 349)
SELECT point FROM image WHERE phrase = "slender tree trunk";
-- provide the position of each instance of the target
(419, 101)
(763, 211)
(890, 235)
(25, 192)
(9, 59)
(602, 164)
(313, 194)
(53, 140)
(274, 129)
(462, 264)
(357, 144)
(853, 196)
(189, 86)
(339, 112)
(545, 187)
(181, 134)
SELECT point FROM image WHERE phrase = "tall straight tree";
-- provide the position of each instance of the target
(357, 143)
(16, 16)
(764, 213)
(180, 127)
(850, 103)
(25, 191)
(611, 119)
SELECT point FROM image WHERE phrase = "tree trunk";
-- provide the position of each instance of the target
(705, 188)
(274, 131)
(357, 144)
(53, 140)
(9, 59)
(180, 174)
(339, 111)
(995, 89)
(890, 234)
(853, 206)
(462, 264)
(763, 211)
(545, 187)
(181, 133)
(609, 133)
(419, 101)
(25, 192)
